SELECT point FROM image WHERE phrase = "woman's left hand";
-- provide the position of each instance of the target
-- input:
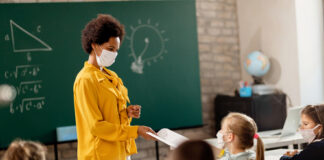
(134, 111)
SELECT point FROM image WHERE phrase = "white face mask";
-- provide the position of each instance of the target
(107, 58)
(308, 134)
(220, 141)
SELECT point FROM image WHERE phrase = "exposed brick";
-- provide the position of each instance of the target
(201, 30)
(151, 152)
(28, 1)
(232, 2)
(217, 49)
(222, 58)
(2, 153)
(163, 152)
(208, 14)
(150, 158)
(227, 32)
(50, 152)
(43, 0)
(235, 31)
(207, 65)
(214, 31)
(228, 67)
(223, 15)
(140, 155)
(201, 22)
(205, 82)
(50, 155)
(229, 8)
(206, 38)
(69, 154)
(64, 146)
(204, 48)
(59, 0)
(217, 23)
(143, 144)
(235, 48)
(231, 40)
(230, 24)
(236, 76)
(205, 56)
(75, 145)
(207, 89)
(212, 6)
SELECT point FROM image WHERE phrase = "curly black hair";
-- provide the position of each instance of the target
(99, 31)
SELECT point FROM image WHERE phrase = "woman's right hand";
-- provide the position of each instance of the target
(142, 132)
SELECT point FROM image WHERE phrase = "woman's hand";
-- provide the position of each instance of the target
(134, 111)
(142, 132)
(291, 153)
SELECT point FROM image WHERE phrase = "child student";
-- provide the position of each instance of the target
(193, 150)
(312, 123)
(25, 150)
(236, 136)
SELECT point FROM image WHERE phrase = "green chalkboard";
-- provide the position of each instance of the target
(41, 54)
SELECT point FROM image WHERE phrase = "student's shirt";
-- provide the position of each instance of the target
(247, 155)
(314, 151)
(103, 127)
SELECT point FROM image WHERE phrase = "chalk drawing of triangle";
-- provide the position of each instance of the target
(24, 41)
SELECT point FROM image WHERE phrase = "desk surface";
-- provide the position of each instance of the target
(274, 154)
(272, 142)
(276, 141)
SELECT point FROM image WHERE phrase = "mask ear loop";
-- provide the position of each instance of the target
(98, 56)
(229, 132)
(101, 48)
(318, 113)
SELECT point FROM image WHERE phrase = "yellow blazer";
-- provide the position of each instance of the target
(103, 127)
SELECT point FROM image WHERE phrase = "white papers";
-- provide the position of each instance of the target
(169, 137)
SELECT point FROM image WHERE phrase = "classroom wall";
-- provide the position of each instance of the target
(309, 20)
(219, 70)
(270, 26)
(290, 33)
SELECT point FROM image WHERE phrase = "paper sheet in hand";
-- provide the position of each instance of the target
(169, 137)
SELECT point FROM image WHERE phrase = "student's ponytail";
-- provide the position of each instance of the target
(245, 128)
(259, 148)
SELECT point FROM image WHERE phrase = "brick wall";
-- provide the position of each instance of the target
(219, 71)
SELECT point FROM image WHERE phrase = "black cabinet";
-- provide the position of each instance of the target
(268, 111)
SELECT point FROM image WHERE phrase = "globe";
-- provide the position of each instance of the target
(257, 64)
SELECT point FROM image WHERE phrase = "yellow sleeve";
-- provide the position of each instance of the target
(125, 112)
(87, 99)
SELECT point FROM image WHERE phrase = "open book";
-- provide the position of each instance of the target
(169, 137)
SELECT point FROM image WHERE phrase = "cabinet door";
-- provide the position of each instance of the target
(227, 104)
(269, 111)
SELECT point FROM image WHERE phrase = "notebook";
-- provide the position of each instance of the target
(169, 137)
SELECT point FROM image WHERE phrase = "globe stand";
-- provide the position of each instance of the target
(257, 80)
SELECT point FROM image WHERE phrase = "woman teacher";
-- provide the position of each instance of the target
(100, 98)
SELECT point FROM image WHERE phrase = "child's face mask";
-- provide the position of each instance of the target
(308, 134)
(222, 139)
